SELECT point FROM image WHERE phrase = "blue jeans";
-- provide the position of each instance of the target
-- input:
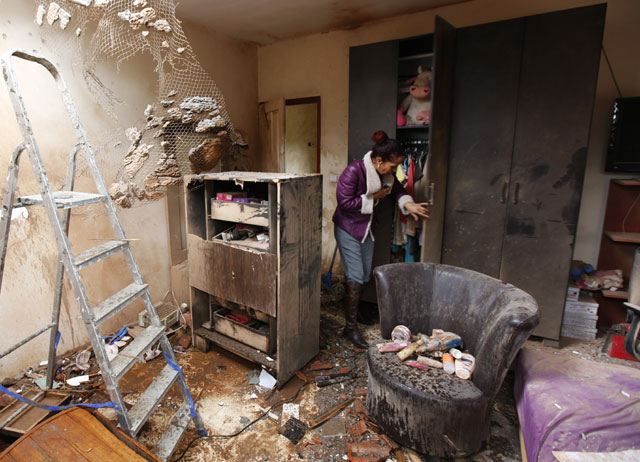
(356, 256)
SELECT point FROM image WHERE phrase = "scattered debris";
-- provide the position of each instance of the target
(40, 12)
(161, 25)
(367, 452)
(334, 411)
(293, 429)
(82, 360)
(52, 13)
(266, 380)
(76, 381)
(64, 17)
(321, 365)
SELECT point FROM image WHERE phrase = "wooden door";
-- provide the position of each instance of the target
(561, 57)
(435, 183)
(271, 126)
(487, 73)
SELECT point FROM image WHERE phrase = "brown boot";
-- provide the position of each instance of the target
(351, 330)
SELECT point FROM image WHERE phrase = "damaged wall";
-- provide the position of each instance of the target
(27, 289)
(319, 65)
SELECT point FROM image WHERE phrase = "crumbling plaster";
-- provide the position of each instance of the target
(318, 65)
(27, 289)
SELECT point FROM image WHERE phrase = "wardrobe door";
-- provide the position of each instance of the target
(434, 187)
(487, 72)
(373, 75)
(561, 55)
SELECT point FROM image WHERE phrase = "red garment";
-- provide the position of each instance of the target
(408, 186)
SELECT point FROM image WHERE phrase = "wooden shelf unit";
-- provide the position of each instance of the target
(277, 285)
(617, 247)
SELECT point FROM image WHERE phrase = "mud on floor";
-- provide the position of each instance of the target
(225, 386)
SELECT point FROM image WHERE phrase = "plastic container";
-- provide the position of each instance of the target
(465, 365)
(430, 362)
(401, 333)
(457, 354)
(448, 364)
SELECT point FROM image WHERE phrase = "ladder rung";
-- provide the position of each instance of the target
(98, 253)
(63, 199)
(151, 397)
(172, 435)
(128, 357)
(26, 339)
(118, 301)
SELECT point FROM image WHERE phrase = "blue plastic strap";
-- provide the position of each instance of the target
(117, 336)
(57, 408)
(174, 366)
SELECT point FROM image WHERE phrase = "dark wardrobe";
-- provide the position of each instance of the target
(511, 113)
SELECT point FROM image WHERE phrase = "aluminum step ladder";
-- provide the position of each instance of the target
(131, 421)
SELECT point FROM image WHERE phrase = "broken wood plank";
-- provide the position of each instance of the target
(74, 435)
(331, 413)
(31, 416)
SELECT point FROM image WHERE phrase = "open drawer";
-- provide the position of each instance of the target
(255, 334)
(243, 276)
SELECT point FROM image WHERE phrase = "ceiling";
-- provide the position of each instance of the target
(268, 21)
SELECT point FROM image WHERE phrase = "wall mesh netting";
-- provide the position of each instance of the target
(185, 130)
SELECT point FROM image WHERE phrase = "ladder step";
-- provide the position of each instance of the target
(117, 302)
(151, 397)
(98, 253)
(62, 199)
(128, 357)
(169, 439)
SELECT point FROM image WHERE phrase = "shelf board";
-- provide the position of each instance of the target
(418, 56)
(617, 236)
(413, 127)
(620, 294)
(628, 181)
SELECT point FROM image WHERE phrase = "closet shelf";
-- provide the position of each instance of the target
(617, 236)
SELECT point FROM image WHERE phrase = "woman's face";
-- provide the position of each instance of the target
(385, 167)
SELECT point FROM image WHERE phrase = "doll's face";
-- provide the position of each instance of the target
(384, 167)
(419, 91)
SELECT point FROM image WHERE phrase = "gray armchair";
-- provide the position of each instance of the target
(431, 411)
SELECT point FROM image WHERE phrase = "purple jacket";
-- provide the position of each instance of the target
(354, 193)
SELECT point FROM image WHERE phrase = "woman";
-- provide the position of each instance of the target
(360, 187)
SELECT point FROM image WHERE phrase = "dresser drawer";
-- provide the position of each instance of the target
(243, 276)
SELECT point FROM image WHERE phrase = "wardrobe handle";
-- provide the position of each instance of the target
(430, 193)
(515, 193)
(503, 198)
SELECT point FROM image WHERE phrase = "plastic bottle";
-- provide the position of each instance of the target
(447, 363)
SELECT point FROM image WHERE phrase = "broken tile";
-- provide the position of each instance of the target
(320, 365)
(293, 429)
(367, 452)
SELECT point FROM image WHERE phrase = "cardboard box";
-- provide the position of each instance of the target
(573, 292)
(230, 196)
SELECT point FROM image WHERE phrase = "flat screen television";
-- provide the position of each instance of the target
(623, 154)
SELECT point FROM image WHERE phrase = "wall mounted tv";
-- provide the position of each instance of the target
(623, 154)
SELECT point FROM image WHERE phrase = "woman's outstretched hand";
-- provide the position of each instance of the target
(417, 209)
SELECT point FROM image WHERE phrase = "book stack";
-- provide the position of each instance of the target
(580, 317)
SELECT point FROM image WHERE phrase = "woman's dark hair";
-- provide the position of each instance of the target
(385, 147)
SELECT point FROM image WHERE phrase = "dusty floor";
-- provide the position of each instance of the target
(235, 409)
(230, 400)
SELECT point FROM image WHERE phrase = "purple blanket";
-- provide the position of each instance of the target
(569, 404)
